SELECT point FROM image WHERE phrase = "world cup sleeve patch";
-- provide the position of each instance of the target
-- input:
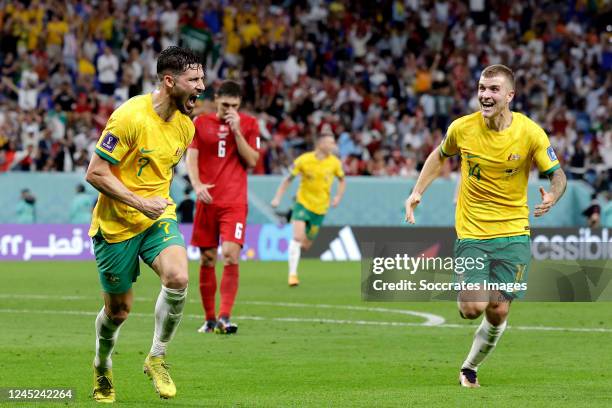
(110, 142)
(551, 154)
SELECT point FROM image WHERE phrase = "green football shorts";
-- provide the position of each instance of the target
(118, 263)
(495, 261)
(313, 221)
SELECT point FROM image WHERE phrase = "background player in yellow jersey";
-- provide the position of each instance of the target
(135, 217)
(497, 148)
(318, 169)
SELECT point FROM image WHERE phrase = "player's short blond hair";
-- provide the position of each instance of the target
(499, 70)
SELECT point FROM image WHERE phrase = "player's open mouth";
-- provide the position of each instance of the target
(191, 101)
(487, 106)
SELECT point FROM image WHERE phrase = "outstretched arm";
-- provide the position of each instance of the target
(281, 190)
(558, 183)
(9, 82)
(431, 170)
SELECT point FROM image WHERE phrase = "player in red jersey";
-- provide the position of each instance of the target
(225, 145)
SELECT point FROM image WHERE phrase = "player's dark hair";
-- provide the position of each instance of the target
(230, 88)
(176, 60)
(499, 70)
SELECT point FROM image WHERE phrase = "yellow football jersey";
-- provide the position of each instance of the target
(495, 168)
(317, 179)
(143, 149)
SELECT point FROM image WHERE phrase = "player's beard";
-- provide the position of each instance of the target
(184, 101)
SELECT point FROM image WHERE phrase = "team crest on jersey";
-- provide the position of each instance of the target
(514, 157)
(109, 142)
(223, 131)
(551, 154)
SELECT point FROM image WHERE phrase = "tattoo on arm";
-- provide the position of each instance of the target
(558, 182)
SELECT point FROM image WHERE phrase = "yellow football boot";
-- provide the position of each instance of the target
(157, 369)
(103, 390)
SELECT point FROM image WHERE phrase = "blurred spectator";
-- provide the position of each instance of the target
(577, 161)
(28, 89)
(108, 67)
(606, 214)
(387, 76)
(81, 206)
(593, 213)
(186, 208)
(26, 208)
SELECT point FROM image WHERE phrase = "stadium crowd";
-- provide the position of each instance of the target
(386, 77)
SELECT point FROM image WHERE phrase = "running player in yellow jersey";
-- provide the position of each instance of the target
(318, 169)
(497, 148)
(135, 217)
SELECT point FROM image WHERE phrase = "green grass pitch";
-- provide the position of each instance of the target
(311, 346)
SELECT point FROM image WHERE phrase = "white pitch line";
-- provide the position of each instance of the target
(430, 318)
(319, 320)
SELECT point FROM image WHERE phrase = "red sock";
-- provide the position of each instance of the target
(229, 289)
(208, 288)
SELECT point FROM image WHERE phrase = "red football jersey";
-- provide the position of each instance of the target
(219, 162)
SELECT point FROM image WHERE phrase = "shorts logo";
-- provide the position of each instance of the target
(551, 154)
(109, 142)
(110, 278)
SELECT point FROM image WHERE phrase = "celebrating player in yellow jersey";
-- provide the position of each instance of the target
(497, 148)
(318, 169)
(135, 217)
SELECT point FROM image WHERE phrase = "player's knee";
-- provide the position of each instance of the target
(230, 257)
(470, 314)
(176, 279)
(497, 313)
(470, 311)
(208, 260)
